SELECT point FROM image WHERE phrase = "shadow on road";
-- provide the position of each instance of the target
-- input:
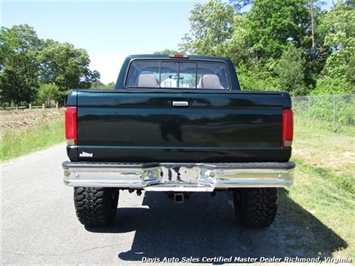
(205, 227)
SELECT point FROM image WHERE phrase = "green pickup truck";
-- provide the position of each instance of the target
(178, 124)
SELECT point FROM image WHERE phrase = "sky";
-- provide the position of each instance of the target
(108, 31)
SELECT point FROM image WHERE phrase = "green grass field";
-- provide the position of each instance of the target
(16, 143)
(23, 132)
(325, 188)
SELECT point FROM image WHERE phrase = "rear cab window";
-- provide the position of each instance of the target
(178, 74)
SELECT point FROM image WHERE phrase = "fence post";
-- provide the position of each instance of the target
(309, 109)
(334, 113)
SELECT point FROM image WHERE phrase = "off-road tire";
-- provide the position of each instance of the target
(255, 207)
(95, 206)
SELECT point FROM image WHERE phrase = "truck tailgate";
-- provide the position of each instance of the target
(179, 126)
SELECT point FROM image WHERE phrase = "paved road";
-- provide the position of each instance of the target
(39, 225)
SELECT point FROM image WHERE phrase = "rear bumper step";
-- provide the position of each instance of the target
(178, 177)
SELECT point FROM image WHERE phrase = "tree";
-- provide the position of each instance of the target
(337, 27)
(237, 47)
(340, 22)
(275, 23)
(210, 27)
(318, 53)
(272, 26)
(10, 87)
(99, 85)
(18, 63)
(111, 85)
(290, 45)
(27, 61)
(315, 50)
(290, 69)
(240, 4)
(48, 93)
(66, 66)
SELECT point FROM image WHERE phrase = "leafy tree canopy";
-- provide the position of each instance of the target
(48, 93)
(210, 27)
(26, 62)
(66, 66)
(291, 45)
(19, 49)
(340, 23)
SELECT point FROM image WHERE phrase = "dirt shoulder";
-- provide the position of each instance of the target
(22, 119)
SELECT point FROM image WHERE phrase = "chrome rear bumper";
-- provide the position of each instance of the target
(178, 177)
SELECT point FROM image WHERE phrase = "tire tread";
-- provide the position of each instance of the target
(255, 207)
(95, 206)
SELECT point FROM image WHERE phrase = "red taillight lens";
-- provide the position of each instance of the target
(287, 127)
(178, 56)
(71, 126)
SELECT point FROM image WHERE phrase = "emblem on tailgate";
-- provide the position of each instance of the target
(86, 154)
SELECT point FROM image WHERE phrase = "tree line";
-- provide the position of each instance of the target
(289, 45)
(33, 70)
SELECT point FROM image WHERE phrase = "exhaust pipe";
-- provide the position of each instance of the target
(179, 197)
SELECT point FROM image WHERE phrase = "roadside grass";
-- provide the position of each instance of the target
(18, 141)
(325, 188)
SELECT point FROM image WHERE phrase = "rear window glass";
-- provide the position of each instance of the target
(177, 74)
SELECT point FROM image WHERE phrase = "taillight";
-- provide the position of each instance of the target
(178, 56)
(71, 126)
(287, 127)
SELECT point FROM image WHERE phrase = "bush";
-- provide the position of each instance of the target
(327, 85)
(48, 93)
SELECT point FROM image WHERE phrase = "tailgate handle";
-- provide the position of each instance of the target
(180, 103)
